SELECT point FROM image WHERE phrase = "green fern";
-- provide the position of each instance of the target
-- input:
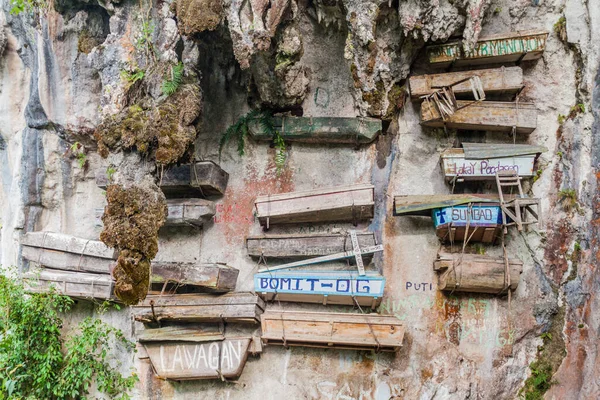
(280, 152)
(173, 80)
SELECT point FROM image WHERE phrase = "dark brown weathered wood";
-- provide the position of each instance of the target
(343, 203)
(449, 234)
(493, 80)
(485, 115)
(476, 273)
(68, 243)
(194, 360)
(332, 330)
(302, 246)
(73, 284)
(230, 307)
(213, 277)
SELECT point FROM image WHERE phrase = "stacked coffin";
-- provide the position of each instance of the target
(459, 100)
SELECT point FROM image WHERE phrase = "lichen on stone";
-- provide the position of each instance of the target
(131, 221)
(195, 16)
(86, 42)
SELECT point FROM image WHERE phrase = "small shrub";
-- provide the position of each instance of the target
(131, 77)
(568, 197)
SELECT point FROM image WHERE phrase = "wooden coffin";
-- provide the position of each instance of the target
(332, 330)
(230, 307)
(504, 48)
(338, 288)
(343, 203)
(197, 360)
(69, 283)
(484, 115)
(476, 273)
(303, 246)
(493, 80)
(212, 277)
(66, 252)
(182, 212)
(321, 129)
(481, 161)
(421, 205)
(200, 179)
(484, 222)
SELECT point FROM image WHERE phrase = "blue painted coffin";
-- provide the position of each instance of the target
(327, 287)
(477, 215)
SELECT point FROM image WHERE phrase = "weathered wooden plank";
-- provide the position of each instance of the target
(321, 129)
(314, 245)
(493, 80)
(214, 277)
(484, 223)
(192, 360)
(484, 115)
(68, 243)
(504, 48)
(67, 261)
(178, 333)
(343, 203)
(476, 273)
(332, 330)
(74, 284)
(423, 204)
(338, 288)
(232, 307)
(456, 164)
(200, 179)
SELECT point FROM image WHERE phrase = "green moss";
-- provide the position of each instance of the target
(560, 28)
(568, 198)
(396, 98)
(195, 16)
(86, 42)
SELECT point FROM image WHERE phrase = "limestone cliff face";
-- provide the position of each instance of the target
(67, 70)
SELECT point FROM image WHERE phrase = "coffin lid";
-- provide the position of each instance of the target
(477, 151)
(423, 204)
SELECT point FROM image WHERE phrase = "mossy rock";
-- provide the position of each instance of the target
(195, 16)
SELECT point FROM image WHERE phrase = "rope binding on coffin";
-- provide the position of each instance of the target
(196, 181)
(81, 255)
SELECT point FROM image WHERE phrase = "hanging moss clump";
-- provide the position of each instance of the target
(131, 220)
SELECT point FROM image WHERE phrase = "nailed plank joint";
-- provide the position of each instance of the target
(343, 203)
(338, 288)
(504, 48)
(322, 129)
(240, 307)
(199, 179)
(493, 80)
(477, 273)
(485, 115)
(332, 330)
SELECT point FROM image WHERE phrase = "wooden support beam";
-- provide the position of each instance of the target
(485, 115)
(476, 273)
(73, 284)
(497, 49)
(321, 129)
(332, 330)
(343, 203)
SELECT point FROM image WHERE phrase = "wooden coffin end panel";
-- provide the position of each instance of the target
(197, 361)
(210, 178)
(201, 179)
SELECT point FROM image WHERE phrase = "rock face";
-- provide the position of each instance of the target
(88, 68)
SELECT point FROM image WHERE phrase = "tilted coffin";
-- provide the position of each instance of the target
(199, 179)
(343, 203)
(484, 115)
(503, 48)
(325, 287)
(477, 273)
(481, 161)
(230, 307)
(493, 80)
(181, 212)
(321, 129)
(332, 330)
(68, 283)
(305, 245)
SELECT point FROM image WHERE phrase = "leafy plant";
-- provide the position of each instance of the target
(33, 362)
(173, 80)
(539, 382)
(19, 6)
(568, 197)
(132, 77)
(546, 335)
(538, 175)
(77, 150)
(110, 171)
(561, 119)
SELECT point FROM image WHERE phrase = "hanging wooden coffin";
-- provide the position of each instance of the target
(68, 283)
(476, 273)
(60, 251)
(182, 212)
(321, 129)
(343, 203)
(484, 223)
(484, 115)
(211, 277)
(332, 330)
(481, 161)
(493, 80)
(230, 307)
(303, 246)
(504, 48)
(200, 179)
(335, 287)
